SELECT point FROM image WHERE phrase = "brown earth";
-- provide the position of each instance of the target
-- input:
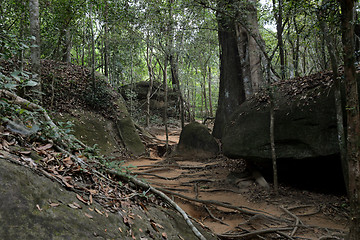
(304, 214)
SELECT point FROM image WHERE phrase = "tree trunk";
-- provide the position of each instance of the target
(165, 103)
(106, 57)
(231, 91)
(150, 71)
(35, 47)
(92, 50)
(337, 93)
(353, 116)
(210, 99)
(176, 86)
(279, 29)
(249, 51)
(67, 45)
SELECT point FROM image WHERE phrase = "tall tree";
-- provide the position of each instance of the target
(353, 116)
(249, 51)
(231, 92)
(35, 47)
(279, 30)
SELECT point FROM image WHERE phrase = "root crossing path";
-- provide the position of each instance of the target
(219, 194)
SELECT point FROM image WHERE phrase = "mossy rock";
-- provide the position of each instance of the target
(92, 128)
(26, 213)
(196, 141)
(126, 129)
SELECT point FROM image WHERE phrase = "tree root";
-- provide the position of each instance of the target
(162, 195)
(213, 217)
(244, 210)
(253, 233)
(297, 220)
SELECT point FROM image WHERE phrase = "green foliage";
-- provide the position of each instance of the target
(98, 98)
(118, 166)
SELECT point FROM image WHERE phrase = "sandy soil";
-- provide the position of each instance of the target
(224, 180)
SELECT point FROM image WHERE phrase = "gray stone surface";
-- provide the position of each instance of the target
(305, 127)
(196, 141)
(25, 213)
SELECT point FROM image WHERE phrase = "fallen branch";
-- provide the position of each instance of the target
(244, 210)
(297, 220)
(213, 217)
(32, 106)
(257, 232)
(154, 175)
(164, 196)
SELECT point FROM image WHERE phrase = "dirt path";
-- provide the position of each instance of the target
(224, 180)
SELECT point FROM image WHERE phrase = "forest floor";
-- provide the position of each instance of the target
(219, 194)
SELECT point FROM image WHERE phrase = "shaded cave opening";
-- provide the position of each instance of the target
(322, 175)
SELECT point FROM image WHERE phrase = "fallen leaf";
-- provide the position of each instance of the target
(73, 206)
(77, 205)
(98, 211)
(143, 206)
(38, 207)
(25, 152)
(89, 216)
(153, 224)
(45, 147)
(81, 199)
(90, 199)
(64, 180)
(160, 226)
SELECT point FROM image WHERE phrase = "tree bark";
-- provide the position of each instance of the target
(106, 57)
(337, 93)
(150, 71)
(92, 50)
(249, 51)
(166, 103)
(353, 116)
(231, 90)
(210, 100)
(279, 30)
(35, 47)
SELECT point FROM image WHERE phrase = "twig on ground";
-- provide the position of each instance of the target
(244, 210)
(154, 175)
(213, 217)
(165, 197)
(196, 190)
(257, 232)
(297, 220)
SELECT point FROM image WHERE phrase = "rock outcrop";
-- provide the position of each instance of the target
(305, 126)
(139, 92)
(196, 141)
(34, 207)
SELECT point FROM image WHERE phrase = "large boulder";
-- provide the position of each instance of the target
(196, 141)
(305, 126)
(34, 207)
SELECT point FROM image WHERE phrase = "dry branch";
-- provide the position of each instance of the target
(213, 217)
(244, 210)
(297, 220)
(32, 106)
(162, 195)
(253, 233)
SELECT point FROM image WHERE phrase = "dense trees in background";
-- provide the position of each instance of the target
(113, 37)
(213, 54)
